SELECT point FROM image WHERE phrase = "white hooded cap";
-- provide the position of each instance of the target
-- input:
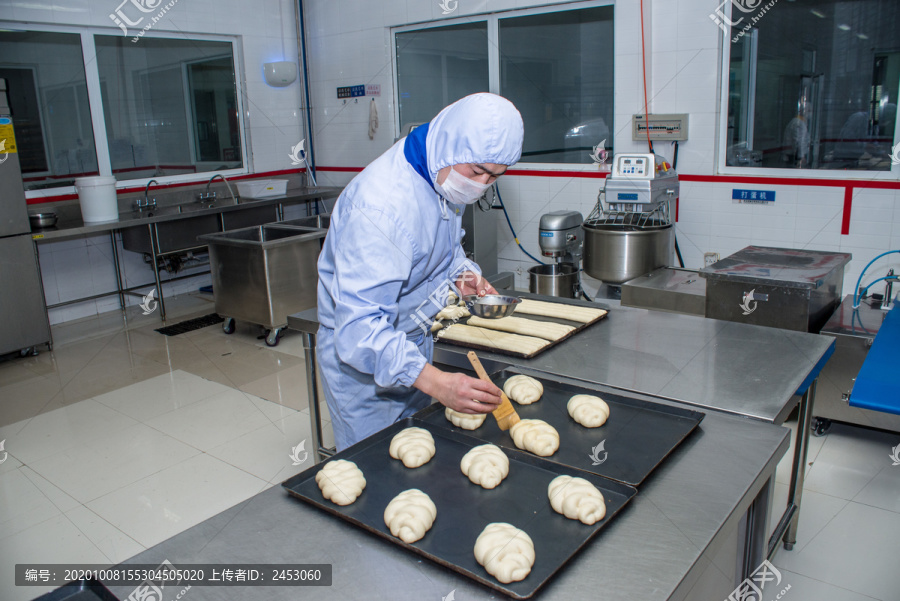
(480, 128)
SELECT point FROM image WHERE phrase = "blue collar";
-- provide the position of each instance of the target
(415, 153)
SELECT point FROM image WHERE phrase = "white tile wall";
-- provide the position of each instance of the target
(350, 43)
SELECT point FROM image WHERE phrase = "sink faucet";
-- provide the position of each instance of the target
(211, 196)
(147, 204)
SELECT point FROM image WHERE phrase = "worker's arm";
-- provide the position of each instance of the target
(458, 391)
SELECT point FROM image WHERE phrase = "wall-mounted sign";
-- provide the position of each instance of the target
(351, 91)
(753, 196)
(373, 89)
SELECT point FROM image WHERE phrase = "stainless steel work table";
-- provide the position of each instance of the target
(749, 371)
(677, 539)
(71, 225)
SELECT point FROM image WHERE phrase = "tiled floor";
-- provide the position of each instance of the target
(122, 437)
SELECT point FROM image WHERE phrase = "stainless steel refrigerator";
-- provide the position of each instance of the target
(23, 311)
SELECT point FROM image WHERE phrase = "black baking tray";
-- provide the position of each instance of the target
(80, 590)
(636, 438)
(463, 508)
(578, 325)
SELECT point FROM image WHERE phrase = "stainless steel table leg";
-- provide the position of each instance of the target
(754, 543)
(115, 253)
(312, 389)
(801, 446)
(154, 250)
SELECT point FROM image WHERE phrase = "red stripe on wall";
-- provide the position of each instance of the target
(848, 205)
(341, 169)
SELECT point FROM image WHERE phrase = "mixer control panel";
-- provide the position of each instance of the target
(641, 166)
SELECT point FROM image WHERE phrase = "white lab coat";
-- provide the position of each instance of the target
(393, 244)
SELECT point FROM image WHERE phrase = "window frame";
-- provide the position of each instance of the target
(92, 80)
(721, 168)
(493, 32)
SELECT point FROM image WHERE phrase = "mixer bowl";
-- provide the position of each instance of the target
(616, 253)
(491, 306)
(555, 279)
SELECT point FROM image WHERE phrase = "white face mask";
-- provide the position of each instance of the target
(459, 189)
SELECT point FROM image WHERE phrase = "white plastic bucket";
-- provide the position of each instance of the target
(97, 196)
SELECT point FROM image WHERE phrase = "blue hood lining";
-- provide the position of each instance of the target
(415, 152)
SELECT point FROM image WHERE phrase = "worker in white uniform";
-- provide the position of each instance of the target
(393, 246)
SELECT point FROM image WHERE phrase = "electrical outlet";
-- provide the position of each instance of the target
(710, 258)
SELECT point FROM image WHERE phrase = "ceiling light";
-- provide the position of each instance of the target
(844, 27)
(817, 13)
(862, 36)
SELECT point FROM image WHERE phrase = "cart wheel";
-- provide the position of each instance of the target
(228, 325)
(821, 426)
(273, 336)
(28, 351)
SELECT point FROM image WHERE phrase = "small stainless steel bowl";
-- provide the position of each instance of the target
(491, 306)
(40, 220)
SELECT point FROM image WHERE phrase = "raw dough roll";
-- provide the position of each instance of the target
(506, 552)
(485, 465)
(523, 389)
(535, 436)
(560, 310)
(588, 410)
(454, 312)
(341, 481)
(527, 327)
(577, 499)
(410, 515)
(413, 446)
(493, 339)
(466, 421)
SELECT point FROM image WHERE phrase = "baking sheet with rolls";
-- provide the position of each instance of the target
(463, 508)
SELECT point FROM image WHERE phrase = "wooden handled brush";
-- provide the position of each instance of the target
(505, 414)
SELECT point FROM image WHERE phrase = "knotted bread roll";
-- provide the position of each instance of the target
(577, 499)
(535, 436)
(340, 481)
(410, 515)
(485, 465)
(506, 552)
(413, 446)
(523, 389)
(588, 410)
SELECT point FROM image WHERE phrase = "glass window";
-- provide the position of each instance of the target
(49, 103)
(557, 68)
(170, 106)
(438, 66)
(814, 85)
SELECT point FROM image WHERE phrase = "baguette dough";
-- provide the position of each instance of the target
(341, 481)
(492, 338)
(527, 327)
(485, 465)
(413, 446)
(588, 410)
(410, 515)
(523, 389)
(560, 310)
(535, 436)
(506, 552)
(466, 421)
(577, 499)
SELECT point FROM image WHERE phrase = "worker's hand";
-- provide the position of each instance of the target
(470, 283)
(458, 391)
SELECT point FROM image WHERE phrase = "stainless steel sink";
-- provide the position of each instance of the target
(181, 234)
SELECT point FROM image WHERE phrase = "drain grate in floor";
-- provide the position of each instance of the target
(191, 325)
